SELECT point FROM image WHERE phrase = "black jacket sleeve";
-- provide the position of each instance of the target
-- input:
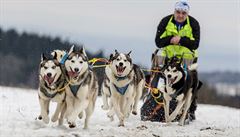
(163, 42)
(185, 41)
(192, 44)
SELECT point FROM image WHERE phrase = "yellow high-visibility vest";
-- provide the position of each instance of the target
(178, 50)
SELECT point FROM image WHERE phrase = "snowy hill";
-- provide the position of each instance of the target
(19, 108)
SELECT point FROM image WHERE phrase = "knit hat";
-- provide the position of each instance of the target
(182, 5)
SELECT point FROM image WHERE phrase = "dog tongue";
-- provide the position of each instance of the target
(72, 74)
(171, 80)
(49, 79)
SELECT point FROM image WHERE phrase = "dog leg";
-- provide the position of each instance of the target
(176, 111)
(138, 96)
(116, 106)
(69, 110)
(79, 106)
(110, 113)
(186, 107)
(57, 112)
(89, 110)
(44, 104)
(60, 121)
(105, 105)
(166, 106)
(128, 106)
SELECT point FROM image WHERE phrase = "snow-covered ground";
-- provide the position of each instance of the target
(19, 108)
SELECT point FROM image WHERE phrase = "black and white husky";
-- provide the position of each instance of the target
(82, 91)
(181, 84)
(51, 88)
(126, 85)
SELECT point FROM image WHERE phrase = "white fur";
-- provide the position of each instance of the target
(183, 103)
(84, 101)
(44, 100)
(122, 105)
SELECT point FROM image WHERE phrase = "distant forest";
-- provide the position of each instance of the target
(20, 55)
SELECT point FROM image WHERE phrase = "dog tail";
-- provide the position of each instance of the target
(193, 66)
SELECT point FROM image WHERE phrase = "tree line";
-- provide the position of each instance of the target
(20, 57)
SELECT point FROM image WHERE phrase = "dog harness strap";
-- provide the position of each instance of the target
(74, 89)
(44, 91)
(121, 90)
(64, 58)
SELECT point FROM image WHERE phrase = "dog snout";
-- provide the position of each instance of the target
(49, 74)
(121, 64)
(76, 69)
(169, 76)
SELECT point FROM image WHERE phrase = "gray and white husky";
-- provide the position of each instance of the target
(82, 91)
(51, 88)
(126, 85)
(180, 85)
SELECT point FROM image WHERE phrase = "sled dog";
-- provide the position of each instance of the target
(181, 85)
(51, 88)
(126, 85)
(82, 91)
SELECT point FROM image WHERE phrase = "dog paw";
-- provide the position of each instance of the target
(54, 118)
(134, 112)
(121, 125)
(80, 115)
(105, 107)
(71, 124)
(45, 119)
(39, 117)
(60, 122)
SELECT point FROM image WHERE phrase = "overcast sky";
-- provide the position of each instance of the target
(129, 25)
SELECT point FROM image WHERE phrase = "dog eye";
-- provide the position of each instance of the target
(72, 61)
(118, 59)
(81, 62)
(168, 69)
(53, 67)
(45, 67)
(125, 60)
(174, 70)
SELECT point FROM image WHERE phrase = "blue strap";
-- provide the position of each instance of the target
(74, 89)
(64, 58)
(121, 90)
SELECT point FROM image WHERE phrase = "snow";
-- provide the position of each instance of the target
(19, 108)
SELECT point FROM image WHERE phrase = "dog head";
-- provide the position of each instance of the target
(50, 70)
(59, 54)
(120, 64)
(76, 63)
(173, 71)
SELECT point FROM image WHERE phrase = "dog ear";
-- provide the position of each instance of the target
(43, 57)
(156, 51)
(111, 57)
(54, 55)
(116, 52)
(82, 50)
(129, 53)
(71, 50)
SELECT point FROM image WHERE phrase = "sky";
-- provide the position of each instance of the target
(129, 25)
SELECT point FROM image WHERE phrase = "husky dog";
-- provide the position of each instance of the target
(126, 85)
(180, 85)
(59, 53)
(83, 88)
(51, 88)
